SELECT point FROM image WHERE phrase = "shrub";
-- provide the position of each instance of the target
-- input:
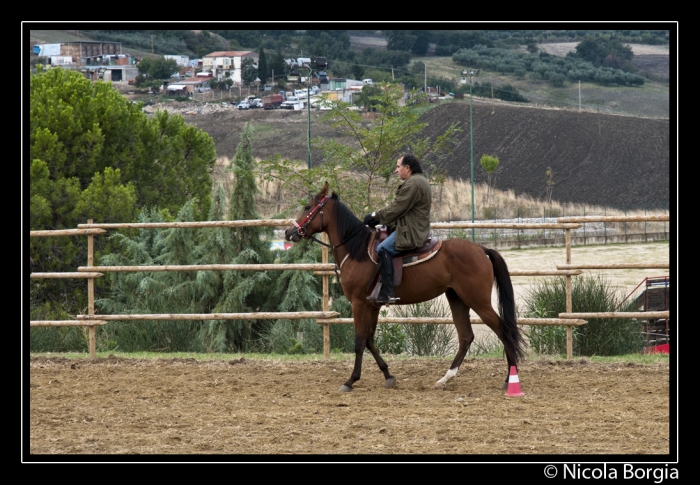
(599, 336)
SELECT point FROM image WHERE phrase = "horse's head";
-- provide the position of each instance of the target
(310, 221)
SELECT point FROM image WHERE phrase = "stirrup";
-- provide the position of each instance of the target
(390, 301)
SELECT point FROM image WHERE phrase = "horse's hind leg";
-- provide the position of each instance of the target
(493, 321)
(465, 335)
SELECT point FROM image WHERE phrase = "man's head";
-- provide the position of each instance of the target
(407, 165)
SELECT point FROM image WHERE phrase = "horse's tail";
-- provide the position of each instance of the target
(512, 337)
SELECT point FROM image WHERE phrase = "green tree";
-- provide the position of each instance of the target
(357, 70)
(157, 68)
(422, 43)
(549, 184)
(399, 40)
(602, 50)
(263, 69)
(95, 155)
(248, 70)
(244, 291)
(363, 167)
(277, 64)
(490, 165)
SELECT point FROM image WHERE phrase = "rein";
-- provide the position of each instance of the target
(301, 228)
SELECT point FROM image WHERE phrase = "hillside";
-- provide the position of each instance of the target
(596, 159)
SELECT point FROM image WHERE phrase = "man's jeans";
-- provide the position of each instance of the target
(389, 245)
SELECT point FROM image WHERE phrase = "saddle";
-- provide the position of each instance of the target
(406, 258)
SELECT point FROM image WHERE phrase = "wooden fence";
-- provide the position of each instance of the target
(325, 317)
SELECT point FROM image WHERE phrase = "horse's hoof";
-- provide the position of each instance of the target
(390, 382)
(345, 388)
(504, 387)
(440, 385)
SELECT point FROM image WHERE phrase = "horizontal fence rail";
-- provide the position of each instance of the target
(213, 267)
(584, 219)
(64, 323)
(643, 315)
(87, 274)
(473, 320)
(656, 265)
(213, 316)
(502, 225)
(188, 225)
(326, 269)
(66, 232)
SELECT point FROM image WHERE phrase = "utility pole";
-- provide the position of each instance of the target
(308, 114)
(151, 44)
(493, 108)
(471, 144)
(425, 78)
(392, 73)
(579, 96)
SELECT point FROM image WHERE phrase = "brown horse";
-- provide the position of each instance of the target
(465, 272)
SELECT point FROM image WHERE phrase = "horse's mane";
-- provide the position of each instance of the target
(347, 224)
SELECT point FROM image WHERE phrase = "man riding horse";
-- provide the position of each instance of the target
(408, 220)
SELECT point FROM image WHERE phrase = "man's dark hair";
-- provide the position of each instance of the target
(412, 162)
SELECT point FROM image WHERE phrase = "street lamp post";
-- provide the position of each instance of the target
(308, 116)
(317, 63)
(471, 145)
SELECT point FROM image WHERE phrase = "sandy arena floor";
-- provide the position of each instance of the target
(255, 407)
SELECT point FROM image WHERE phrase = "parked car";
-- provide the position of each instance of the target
(244, 104)
(256, 103)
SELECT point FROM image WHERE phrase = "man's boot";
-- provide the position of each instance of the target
(386, 294)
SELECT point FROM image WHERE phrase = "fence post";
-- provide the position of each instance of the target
(91, 293)
(645, 224)
(569, 328)
(495, 219)
(326, 328)
(520, 233)
(605, 226)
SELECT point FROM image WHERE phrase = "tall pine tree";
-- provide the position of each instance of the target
(244, 291)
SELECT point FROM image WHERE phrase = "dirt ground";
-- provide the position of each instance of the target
(260, 407)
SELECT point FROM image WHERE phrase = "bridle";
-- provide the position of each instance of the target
(301, 228)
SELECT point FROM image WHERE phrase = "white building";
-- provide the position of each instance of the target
(182, 61)
(227, 64)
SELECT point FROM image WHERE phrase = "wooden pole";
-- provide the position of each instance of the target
(655, 265)
(214, 316)
(569, 328)
(212, 267)
(448, 320)
(326, 328)
(91, 293)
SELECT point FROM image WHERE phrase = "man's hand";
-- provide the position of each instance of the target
(370, 221)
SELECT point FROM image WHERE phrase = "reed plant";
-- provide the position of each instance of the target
(589, 294)
(452, 202)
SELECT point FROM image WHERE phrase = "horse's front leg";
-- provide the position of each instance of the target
(365, 319)
(390, 380)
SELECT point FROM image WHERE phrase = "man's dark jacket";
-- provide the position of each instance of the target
(409, 213)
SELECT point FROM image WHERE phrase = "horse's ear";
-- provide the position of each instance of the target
(324, 191)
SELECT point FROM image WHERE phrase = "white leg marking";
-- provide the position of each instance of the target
(449, 375)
